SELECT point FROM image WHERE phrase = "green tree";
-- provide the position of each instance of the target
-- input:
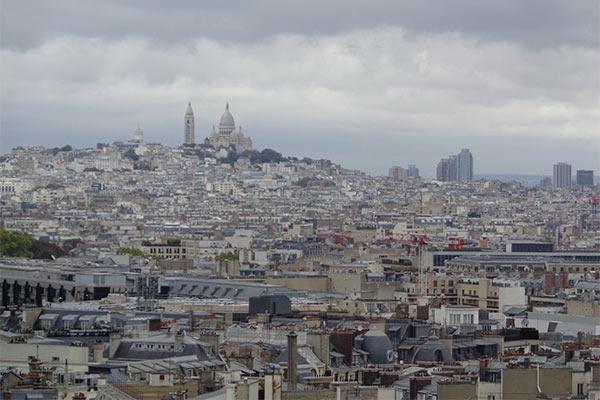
(129, 250)
(54, 186)
(270, 155)
(302, 182)
(43, 249)
(228, 256)
(15, 244)
(131, 155)
(174, 242)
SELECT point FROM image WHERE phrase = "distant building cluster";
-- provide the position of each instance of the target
(456, 168)
(402, 174)
(562, 177)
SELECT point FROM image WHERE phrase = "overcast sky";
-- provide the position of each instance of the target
(369, 84)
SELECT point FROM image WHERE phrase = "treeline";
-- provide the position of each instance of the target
(18, 244)
(55, 150)
(255, 156)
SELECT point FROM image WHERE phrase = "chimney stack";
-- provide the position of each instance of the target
(178, 341)
(98, 352)
(292, 360)
(191, 319)
(114, 342)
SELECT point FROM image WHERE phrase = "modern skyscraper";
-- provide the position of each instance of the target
(465, 165)
(452, 168)
(442, 170)
(188, 130)
(412, 171)
(562, 175)
(397, 173)
(585, 177)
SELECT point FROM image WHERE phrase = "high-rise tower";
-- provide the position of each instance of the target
(465, 165)
(562, 175)
(188, 132)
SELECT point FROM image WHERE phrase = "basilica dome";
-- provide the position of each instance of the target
(227, 124)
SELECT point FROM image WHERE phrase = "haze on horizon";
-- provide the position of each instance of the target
(365, 84)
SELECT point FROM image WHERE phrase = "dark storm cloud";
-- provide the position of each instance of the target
(539, 23)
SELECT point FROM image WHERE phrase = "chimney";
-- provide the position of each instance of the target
(211, 337)
(179, 341)
(191, 319)
(319, 341)
(564, 279)
(113, 344)
(273, 386)
(483, 364)
(263, 321)
(292, 360)
(415, 384)
(30, 315)
(569, 353)
(98, 352)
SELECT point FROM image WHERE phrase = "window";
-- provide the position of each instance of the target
(580, 388)
(491, 397)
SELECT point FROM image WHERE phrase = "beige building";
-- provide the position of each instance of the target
(487, 294)
(16, 355)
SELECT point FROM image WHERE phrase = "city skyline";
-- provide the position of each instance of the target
(425, 79)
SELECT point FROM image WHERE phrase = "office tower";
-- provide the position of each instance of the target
(546, 182)
(562, 175)
(188, 131)
(452, 168)
(397, 173)
(464, 165)
(412, 171)
(442, 170)
(585, 177)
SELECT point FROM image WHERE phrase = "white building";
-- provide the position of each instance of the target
(227, 136)
(188, 130)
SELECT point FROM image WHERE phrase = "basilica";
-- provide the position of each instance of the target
(227, 136)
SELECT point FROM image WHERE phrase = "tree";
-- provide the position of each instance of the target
(129, 250)
(174, 242)
(54, 186)
(228, 256)
(270, 155)
(146, 243)
(131, 155)
(70, 244)
(15, 244)
(43, 249)
(302, 182)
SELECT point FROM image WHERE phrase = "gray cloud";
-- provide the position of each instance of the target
(27, 23)
(368, 85)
